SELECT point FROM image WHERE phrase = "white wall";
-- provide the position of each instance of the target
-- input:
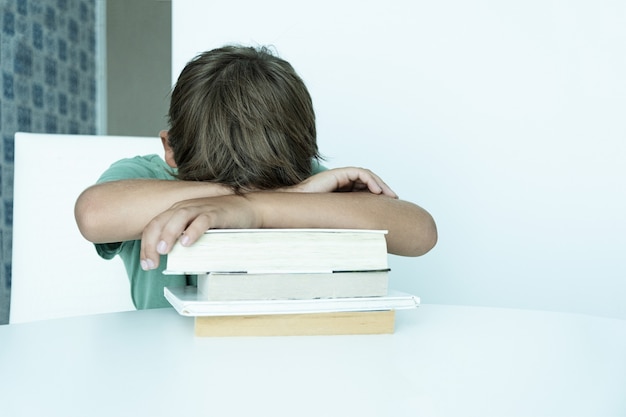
(506, 120)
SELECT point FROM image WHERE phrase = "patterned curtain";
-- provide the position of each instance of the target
(48, 85)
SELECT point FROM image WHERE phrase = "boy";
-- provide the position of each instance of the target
(241, 152)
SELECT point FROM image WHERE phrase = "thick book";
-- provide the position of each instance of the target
(282, 251)
(188, 302)
(272, 286)
(311, 324)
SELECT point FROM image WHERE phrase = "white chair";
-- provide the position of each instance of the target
(56, 272)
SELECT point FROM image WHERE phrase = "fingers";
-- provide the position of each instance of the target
(385, 189)
(376, 183)
(361, 178)
(160, 235)
(344, 179)
(186, 221)
(152, 244)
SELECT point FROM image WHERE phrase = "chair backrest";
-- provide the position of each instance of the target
(56, 272)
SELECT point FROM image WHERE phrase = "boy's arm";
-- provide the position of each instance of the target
(160, 211)
(118, 211)
(411, 230)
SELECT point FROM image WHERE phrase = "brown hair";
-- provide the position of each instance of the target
(242, 117)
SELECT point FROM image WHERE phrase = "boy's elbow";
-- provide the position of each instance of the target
(84, 213)
(425, 238)
(428, 238)
(419, 239)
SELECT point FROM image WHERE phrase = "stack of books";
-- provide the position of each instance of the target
(254, 282)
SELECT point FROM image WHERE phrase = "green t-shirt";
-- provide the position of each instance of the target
(146, 286)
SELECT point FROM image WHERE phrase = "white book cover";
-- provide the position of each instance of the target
(281, 250)
(188, 302)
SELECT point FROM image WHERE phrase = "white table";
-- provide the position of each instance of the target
(442, 361)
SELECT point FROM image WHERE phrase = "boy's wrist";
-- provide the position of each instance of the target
(258, 204)
(210, 189)
(297, 188)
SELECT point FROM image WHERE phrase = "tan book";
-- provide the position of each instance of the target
(322, 316)
(281, 251)
(309, 324)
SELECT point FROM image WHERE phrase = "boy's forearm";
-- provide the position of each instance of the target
(119, 210)
(411, 229)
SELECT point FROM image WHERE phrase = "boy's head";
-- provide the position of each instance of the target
(241, 116)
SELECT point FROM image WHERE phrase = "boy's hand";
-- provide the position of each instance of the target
(187, 220)
(344, 179)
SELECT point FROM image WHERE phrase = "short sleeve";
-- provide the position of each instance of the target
(148, 166)
(316, 167)
(108, 250)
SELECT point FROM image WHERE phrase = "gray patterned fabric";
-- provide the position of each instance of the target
(47, 85)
